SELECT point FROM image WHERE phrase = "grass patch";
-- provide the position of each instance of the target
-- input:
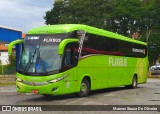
(7, 83)
(154, 77)
(6, 78)
(7, 69)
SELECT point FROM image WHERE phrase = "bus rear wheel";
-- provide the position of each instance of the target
(134, 83)
(84, 88)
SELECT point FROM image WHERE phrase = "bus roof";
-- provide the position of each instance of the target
(64, 28)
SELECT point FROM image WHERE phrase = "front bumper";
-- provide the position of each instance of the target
(50, 88)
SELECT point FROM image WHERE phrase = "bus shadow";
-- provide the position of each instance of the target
(109, 90)
(95, 93)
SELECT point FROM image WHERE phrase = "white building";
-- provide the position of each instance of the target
(4, 58)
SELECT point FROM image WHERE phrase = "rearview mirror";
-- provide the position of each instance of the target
(63, 44)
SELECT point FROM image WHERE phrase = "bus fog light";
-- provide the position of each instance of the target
(18, 87)
(54, 89)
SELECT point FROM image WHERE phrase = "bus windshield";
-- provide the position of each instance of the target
(39, 55)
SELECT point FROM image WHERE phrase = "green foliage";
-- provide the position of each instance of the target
(154, 48)
(54, 15)
(12, 59)
(126, 17)
(10, 68)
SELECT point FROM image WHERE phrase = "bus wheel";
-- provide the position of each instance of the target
(84, 88)
(134, 83)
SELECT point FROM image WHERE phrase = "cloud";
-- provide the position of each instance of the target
(24, 14)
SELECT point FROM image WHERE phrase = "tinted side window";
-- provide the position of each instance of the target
(94, 44)
(132, 50)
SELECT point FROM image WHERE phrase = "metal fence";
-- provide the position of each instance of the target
(7, 70)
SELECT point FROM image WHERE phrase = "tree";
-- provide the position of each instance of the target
(54, 15)
(90, 12)
(12, 59)
(125, 17)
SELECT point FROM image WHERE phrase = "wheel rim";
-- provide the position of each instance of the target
(135, 82)
(83, 87)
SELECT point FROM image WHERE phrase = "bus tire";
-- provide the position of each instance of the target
(134, 83)
(84, 88)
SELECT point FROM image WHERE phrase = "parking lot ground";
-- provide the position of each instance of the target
(145, 94)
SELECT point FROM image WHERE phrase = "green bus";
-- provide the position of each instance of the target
(75, 58)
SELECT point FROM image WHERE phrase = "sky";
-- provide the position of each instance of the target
(24, 14)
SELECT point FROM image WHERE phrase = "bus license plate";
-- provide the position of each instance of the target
(35, 91)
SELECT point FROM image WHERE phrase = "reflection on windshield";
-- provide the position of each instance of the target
(39, 58)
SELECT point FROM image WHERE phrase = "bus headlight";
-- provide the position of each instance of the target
(19, 80)
(57, 79)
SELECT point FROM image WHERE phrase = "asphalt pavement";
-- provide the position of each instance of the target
(145, 94)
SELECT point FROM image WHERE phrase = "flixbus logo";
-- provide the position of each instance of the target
(139, 50)
(117, 61)
(51, 40)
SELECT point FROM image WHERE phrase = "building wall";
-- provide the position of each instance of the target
(8, 34)
(4, 58)
(3, 47)
(23, 35)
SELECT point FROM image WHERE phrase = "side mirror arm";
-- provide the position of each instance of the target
(12, 44)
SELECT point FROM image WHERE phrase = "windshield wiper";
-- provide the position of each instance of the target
(30, 60)
(38, 61)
